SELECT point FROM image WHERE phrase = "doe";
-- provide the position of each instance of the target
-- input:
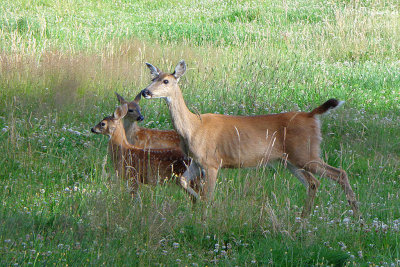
(217, 141)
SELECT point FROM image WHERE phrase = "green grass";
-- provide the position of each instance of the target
(60, 63)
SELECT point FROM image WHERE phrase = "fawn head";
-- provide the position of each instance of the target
(163, 85)
(108, 125)
(134, 113)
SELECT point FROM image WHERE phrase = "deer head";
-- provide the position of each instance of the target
(134, 113)
(164, 85)
(108, 125)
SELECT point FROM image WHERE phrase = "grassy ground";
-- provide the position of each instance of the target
(60, 63)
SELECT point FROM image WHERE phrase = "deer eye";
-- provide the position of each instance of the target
(103, 124)
(130, 110)
(165, 81)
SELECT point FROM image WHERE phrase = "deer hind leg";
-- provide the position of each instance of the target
(310, 182)
(189, 176)
(337, 175)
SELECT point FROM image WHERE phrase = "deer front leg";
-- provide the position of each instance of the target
(191, 174)
(209, 185)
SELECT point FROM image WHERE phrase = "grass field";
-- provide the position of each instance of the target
(61, 62)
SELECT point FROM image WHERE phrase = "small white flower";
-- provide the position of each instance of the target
(360, 254)
(350, 212)
(175, 245)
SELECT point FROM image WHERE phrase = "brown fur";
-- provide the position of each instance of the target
(220, 141)
(144, 137)
(148, 166)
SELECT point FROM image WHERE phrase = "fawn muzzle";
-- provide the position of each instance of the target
(140, 118)
(93, 130)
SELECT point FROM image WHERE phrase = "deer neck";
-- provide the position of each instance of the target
(118, 146)
(118, 138)
(131, 129)
(185, 122)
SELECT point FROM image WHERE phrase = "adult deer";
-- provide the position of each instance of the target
(143, 137)
(135, 164)
(217, 141)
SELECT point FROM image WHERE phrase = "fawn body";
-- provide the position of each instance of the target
(148, 166)
(143, 137)
(221, 141)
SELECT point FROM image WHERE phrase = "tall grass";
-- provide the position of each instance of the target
(60, 63)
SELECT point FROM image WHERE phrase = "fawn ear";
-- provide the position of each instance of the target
(120, 98)
(154, 71)
(180, 69)
(121, 111)
(138, 97)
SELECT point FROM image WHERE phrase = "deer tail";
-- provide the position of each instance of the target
(328, 105)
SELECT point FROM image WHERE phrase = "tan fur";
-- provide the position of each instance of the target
(219, 141)
(143, 137)
(148, 166)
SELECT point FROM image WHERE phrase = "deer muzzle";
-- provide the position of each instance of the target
(146, 93)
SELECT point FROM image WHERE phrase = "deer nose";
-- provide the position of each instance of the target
(146, 93)
(92, 130)
(140, 118)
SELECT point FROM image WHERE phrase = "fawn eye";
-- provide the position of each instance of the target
(103, 124)
(165, 81)
(130, 110)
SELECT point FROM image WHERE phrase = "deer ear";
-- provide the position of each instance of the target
(121, 111)
(180, 69)
(120, 98)
(138, 97)
(154, 71)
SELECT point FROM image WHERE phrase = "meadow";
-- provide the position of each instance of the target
(62, 61)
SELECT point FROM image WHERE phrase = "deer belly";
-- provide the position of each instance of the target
(248, 154)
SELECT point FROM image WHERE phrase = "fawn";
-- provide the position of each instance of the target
(148, 166)
(217, 141)
(142, 137)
